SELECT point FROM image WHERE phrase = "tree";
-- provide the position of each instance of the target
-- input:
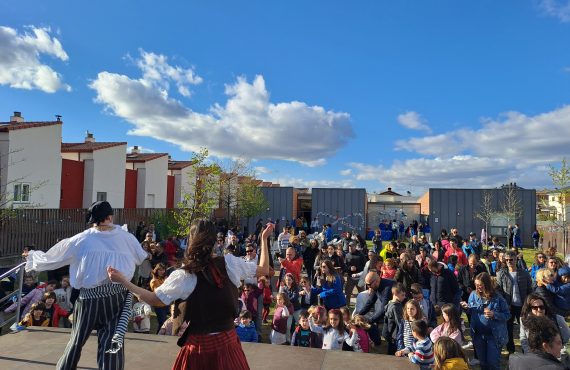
(251, 200)
(561, 181)
(234, 173)
(511, 206)
(203, 195)
(486, 212)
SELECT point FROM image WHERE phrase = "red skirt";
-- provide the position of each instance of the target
(220, 351)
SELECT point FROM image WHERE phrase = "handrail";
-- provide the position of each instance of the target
(18, 292)
(9, 272)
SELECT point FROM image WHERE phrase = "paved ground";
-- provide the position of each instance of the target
(40, 349)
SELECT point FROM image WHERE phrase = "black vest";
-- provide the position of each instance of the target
(210, 309)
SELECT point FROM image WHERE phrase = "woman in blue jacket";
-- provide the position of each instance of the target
(329, 287)
(489, 314)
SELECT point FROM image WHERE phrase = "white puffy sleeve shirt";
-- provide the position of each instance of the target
(88, 255)
(180, 284)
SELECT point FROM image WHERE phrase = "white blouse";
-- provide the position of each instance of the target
(88, 255)
(180, 284)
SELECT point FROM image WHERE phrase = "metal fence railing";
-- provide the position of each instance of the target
(16, 276)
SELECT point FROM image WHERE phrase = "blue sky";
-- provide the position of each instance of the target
(375, 94)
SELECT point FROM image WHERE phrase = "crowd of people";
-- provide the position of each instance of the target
(411, 294)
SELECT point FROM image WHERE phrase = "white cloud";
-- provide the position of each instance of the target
(513, 147)
(316, 163)
(260, 170)
(248, 125)
(556, 8)
(20, 65)
(346, 172)
(304, 183)
(413, 121)
(157, 71)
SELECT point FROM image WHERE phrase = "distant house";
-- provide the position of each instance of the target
(146, 179)
(30, 163)
(181, 181)
(92, 171)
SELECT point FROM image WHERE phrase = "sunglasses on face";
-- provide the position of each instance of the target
(509, 259)
(540, 307)
(249, 251)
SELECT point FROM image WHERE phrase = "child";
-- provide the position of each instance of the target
(141, 317)
(246, 328)
(452, 264)
(52, 311)
(451, 327)
(562, 290)
(389, 269)
(175, 324)
(405, 336)
(359, 340)
(449, 355)
(280, 317)
(305, 296)
(422, 350)
(393, 317)
(346, 319)
(319, 315)
(267, 298)
(36, 316)
(303, 336)
(334, 333)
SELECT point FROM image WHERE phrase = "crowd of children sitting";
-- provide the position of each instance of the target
(410, 294)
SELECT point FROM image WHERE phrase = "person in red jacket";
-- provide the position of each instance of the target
(292, 263)
(455, 250)
(53, 311)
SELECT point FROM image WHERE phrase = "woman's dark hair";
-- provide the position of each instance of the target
(443, 233)
(159, 266)
(332, 272)
(527, 309)
(201, 240)
(437, 242)
(488, 287)
(540, 330)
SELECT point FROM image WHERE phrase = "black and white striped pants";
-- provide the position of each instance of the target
(98, 309)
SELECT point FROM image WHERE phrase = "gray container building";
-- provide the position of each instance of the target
(280, 207)
(450, 208)
(344, 209)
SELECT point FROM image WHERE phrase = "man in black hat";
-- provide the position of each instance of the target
(102, 305)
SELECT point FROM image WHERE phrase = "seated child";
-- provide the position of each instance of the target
(422, 349)
(449, 355)
(36, 316)
(141, 317)
(303, 336)
(246, 328)
(562, 290)
(53, 312)
(175, 324)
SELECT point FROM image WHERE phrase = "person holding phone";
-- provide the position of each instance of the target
(489, 314)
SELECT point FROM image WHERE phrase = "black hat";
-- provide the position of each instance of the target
(98, 212)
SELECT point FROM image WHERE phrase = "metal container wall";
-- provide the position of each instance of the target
(450, 208)
(345, 209)
(280, 207)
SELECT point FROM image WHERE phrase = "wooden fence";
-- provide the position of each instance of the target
(44, 227)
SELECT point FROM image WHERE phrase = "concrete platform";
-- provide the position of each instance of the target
(39, 348)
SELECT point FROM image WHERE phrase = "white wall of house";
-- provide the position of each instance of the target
(184, 183)
(151, 182)
(109, 175)
(32, 156)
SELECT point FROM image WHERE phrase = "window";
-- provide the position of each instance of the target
(101, 196)
(22, 193)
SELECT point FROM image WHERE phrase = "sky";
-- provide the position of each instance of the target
(374, 93)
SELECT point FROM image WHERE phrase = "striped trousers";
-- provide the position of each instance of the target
(98, 309)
